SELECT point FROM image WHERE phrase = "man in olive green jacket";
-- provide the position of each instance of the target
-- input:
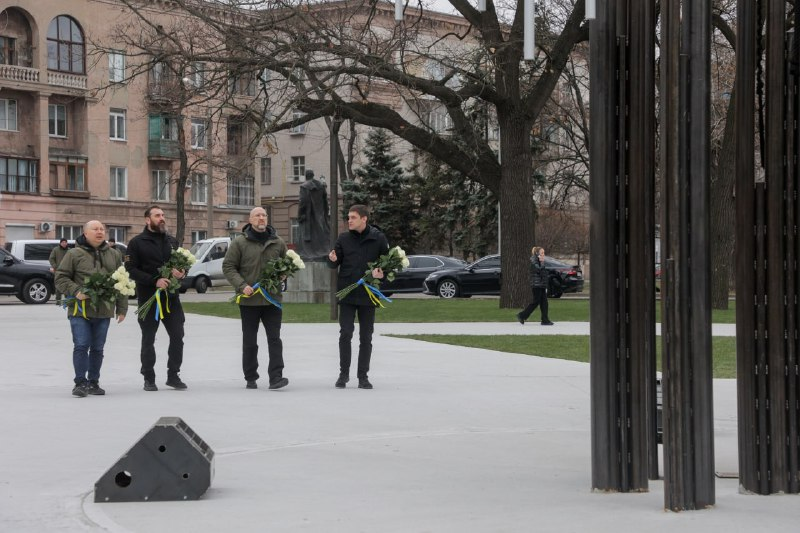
(246, 258)
(56, 256)
(91, 255)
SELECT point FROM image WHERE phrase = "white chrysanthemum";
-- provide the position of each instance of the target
(405, 262)
(299, 263)
(291, 254)
(400, 252)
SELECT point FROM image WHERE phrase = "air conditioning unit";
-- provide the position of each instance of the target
(231, 224)
(44, 227)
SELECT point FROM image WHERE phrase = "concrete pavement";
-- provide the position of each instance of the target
(450, 440)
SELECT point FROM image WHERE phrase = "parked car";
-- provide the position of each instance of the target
(411, 279)
(31, 283)
(37, 251)
(484, 277)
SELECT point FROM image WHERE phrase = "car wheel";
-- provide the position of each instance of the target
(447, 289)
(284, 285)
(35, 291)
(201, 284)
(387, 294)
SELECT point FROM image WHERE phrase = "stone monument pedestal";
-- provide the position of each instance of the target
(310, 285)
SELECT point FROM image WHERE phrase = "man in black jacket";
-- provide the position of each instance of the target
(354, 249)
(147, 252)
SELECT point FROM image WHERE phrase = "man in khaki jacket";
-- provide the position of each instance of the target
(246, 258)
(90, 255)
(56, 256)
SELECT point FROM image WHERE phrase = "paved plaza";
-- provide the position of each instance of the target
(450, 440)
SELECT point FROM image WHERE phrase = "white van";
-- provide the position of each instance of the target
(207, 271)
(37, 251)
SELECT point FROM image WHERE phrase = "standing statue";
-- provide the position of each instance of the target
(312, 218)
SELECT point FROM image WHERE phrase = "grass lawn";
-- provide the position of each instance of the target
(570, 347)
(437, 310)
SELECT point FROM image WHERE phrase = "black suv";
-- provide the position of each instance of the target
(32, 284)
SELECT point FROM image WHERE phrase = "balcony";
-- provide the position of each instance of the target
(63, 79)
(22, 74)
(163, 149)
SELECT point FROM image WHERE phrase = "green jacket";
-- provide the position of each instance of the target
(246, 258)
(81, 262)
(57, 255)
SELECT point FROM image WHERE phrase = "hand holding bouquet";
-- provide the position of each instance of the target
(179, 259)
(269, 281)
(392, 262)
(103, 287)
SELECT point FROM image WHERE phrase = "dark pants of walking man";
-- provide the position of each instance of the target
(539, 298)
(270, 316)
(366, 324)
(173, 323)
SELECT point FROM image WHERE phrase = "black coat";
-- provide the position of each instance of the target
(540, 276)
(147, 252)
(353, 251)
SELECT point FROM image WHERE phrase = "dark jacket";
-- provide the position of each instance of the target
(57, 255)
(81, 262)
(540, 276)
(353, 251)
(147, 252)
(246, 258)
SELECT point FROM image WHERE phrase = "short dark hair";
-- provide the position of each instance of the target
(112, 240)
(149, 209)
(62, 240)
(361, 209)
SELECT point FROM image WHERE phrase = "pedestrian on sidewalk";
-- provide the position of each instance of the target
(147, 252)
(56, 256)
(361, 244)
(540, 277)
(91, 255)
(244, 262)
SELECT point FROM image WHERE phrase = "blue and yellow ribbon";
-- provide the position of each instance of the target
(159, 308)
(79, 306)
(259, 289)
(375, 296)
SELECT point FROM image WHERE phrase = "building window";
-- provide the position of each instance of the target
(8, 51)
(116, 66)
(197, 77)
(241, 190)
(242, 84)
(65, 48)
(116, 123)
(235, 138)
(161, 185)
(69, 175)
(199, 188)
(199, 133)
(19, 175)
(68, 232)
(118, 233)
(198, 235)
(266, 171)
(119, 183)
(57, 120)
(8, 115)
(298, 167)
(300, 128)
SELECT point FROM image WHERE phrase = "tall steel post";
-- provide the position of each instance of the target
(685, 290)
(624, 451)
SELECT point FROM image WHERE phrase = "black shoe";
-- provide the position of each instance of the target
(94, 389)
(278, 383)
(251, 384)
(519, 317)
(176, 383)
(547, 323)
(363, 383)
(79, 390)
(342, 381)
(150, 386)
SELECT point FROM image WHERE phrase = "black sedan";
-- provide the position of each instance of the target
(30, 283)
(420, 266)
(484, 277)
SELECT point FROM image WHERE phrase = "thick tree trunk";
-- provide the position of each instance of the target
(516, 209)
(180, 189)
(723, 220)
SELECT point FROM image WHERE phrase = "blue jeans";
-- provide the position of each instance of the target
(88, 339)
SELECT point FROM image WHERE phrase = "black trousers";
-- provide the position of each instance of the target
(366, 325)
(539, 299)
(173, 323)
(271, 317)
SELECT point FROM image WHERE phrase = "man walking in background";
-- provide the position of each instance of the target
(56, 256)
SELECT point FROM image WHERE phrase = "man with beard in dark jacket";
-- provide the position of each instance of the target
(355, 248)
(246, 258)
(147, 252)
